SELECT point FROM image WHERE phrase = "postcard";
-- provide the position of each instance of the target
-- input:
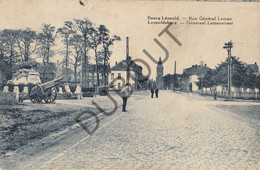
(115, 84)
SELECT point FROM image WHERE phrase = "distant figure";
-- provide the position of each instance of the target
(190, 95)
(125, 92)
(215, 94)
(152, 91)
(156, 92)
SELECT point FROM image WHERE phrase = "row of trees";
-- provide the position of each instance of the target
(243, 75)
(79, 37)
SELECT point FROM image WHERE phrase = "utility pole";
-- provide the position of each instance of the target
(127, 60)
(228, 47)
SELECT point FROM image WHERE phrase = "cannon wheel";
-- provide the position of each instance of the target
(36, 94)
(51, 95)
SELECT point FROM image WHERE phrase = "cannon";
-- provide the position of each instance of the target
(45, 91)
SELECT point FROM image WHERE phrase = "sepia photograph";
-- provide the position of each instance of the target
(128, 84)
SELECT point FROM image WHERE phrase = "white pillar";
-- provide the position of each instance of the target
(67, 87)
(235, 92)
(256, 93)
(60, 90)
(78, 90)
(5, 89)
(232, 90)
(16, 91)
(25, 89)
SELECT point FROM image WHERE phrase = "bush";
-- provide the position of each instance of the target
(7, 99)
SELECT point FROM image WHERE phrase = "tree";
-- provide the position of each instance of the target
(8, 44)
(167, 81)
(208, 80)
(106, 43)
(238, 72)
(240, 77)
(66, 32)
(95, 40)
(75, 42)
(257, 81)
(25, 39)
(250, 80)
(46, 40)
(84, 27)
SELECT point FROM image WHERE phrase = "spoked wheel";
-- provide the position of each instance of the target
(51, 95)
(36, 94)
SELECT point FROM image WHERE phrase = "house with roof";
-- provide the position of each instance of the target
(119, 70)
(191, 76)
(172, 81)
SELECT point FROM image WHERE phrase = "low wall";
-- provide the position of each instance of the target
(23, 92)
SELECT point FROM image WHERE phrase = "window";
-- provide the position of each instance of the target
(119, 75)
(112, 76)
(118, 86)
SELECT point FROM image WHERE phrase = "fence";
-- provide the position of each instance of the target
(236, 93)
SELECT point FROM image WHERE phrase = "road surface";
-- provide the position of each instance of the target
(168, 132)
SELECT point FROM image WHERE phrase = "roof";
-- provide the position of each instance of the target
(121, 66)
(196, 70)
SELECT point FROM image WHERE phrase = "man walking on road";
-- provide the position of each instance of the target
(125, 92)
(156, 92)
(152, 91)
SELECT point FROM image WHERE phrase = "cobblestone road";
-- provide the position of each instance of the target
(165, 133)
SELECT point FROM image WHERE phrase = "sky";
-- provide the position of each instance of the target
(129, 19)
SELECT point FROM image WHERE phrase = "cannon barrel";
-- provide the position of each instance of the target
(51, 83)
